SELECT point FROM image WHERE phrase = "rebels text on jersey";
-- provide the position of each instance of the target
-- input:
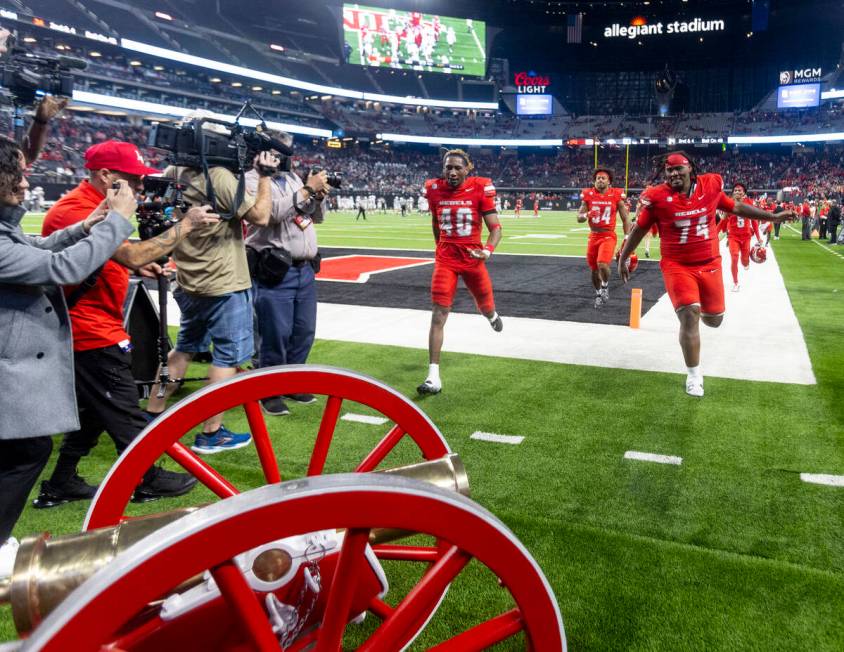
(601, 209)
(458, 212)
(686, 224)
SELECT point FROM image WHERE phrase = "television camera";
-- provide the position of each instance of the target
(26, 75)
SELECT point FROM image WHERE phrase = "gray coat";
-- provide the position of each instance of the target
(37, 395)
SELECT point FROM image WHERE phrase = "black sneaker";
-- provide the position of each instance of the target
(497, 324)
(55, 494)
(274, 406)
(304, 399)
(160, 483)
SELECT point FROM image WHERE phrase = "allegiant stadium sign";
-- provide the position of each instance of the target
(639, 27)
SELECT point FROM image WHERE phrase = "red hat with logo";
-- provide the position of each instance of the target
(117, 156)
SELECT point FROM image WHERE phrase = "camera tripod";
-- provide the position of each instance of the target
(163, 344)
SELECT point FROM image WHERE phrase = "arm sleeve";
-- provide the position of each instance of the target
(722, 225)
(755, 225)
(726, 203)
(487, 204)
(28, 265)
(647, 216)
(60, 239)
(225, 187)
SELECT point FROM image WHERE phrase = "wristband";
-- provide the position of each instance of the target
(309, 190)
(489, 249)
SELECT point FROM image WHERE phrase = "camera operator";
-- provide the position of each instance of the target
(105, 387)
(214, 293)
(285, 260)
(36, 364)
(48, 108)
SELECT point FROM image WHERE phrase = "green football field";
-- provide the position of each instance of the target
(467, 56)
(728, 551)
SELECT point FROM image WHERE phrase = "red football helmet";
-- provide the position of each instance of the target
(758, 253)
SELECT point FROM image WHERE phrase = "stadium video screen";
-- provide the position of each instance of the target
(534, 105)
(798, 96)
(411, 40)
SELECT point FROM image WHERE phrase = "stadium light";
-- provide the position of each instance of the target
(476, 142)
(321, 89)
(795, 138)
(155, 108)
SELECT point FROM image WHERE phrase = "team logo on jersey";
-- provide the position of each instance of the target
(670, 199)
(433, 186)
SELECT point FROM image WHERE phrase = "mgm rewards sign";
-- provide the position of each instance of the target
(639, 27)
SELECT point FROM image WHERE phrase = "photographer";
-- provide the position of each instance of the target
(285, 263)
(105, 387)
(36, 365)
(48, 108)
(214, 293)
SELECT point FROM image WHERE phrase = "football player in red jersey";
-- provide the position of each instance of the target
(599, 205)
(738, 230)
(518, 209)
(683, 208)
(536, 207)
(459, 204)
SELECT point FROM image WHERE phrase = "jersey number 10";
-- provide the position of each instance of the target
(460, 224)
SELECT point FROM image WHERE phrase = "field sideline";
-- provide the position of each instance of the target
(554, 233)
(727, 551)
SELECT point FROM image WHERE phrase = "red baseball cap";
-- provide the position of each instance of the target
(118, 156)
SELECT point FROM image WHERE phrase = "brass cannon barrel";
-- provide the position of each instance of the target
(47, 570)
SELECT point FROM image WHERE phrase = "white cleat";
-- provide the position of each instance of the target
(747, 268)
(429, 388)
(736, 287)
(694, 386)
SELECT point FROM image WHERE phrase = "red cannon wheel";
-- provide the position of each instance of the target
(245, 390)
(113, 607)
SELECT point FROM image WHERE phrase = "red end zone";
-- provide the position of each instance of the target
(357, 268)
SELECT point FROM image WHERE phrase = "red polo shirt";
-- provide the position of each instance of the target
(97, 318)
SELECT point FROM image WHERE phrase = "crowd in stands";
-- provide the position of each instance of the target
(379, 169)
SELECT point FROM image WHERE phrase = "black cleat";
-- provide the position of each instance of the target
(428, 388)
(160, 483)
(55, 494)
(497, 324)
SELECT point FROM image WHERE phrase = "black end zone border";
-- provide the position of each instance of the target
(555, 288)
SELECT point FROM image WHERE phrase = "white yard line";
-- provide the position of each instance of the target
(818, 242)
(821, 478)
(498, 439)
(364, 418)
(653, 457)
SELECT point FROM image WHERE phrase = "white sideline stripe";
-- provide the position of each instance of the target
(498, 439)
(736, 350)
(817, 242)
(364, 418)
(823, 478)
(652, 457)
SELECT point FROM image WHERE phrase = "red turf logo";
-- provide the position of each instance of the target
(357, 268)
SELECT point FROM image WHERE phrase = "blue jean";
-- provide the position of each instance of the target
(224, 321)
(286, 317)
